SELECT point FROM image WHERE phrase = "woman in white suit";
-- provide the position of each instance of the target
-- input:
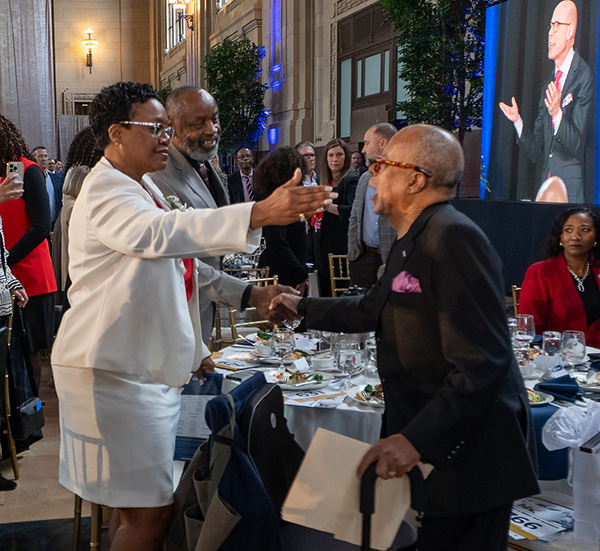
(132, 335)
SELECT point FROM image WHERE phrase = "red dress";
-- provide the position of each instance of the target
(549, 294)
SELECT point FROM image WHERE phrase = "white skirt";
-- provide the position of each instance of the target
(117, 437)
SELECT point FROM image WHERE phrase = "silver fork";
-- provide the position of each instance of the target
(369, 398)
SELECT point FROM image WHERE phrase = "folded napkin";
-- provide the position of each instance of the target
(562, 388)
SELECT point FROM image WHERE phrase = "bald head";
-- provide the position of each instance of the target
(565, 11)
(194, 115)
(186, 97)
(433, 149)
(561, 35)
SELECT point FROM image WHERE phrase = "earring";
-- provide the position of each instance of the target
(561, 244)
(595, 243)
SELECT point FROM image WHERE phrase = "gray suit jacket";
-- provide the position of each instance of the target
(182, 180)
(387, 234)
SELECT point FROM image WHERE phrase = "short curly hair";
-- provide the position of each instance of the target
(553, 248)
(114, 104)
(12, 144)
(276, 169)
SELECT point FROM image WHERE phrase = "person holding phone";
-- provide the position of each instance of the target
(27, 224)
(11, 188)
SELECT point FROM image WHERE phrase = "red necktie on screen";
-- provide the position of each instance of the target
(559, 74)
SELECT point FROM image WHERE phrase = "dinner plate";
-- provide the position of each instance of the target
(548, 398)
(272, 360)
(272, 377)
(590, 387)
(338, 375)
(352, 395)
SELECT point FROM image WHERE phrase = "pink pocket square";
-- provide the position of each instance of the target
(406, 283)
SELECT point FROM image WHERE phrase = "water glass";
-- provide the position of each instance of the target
(573, 347)
(551, 343)
(348, 355)
(512, 327)
(282, 344)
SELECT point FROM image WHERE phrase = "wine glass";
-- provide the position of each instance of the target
(282, 344)
(348, 355)
(525, 330)
(291, 324)
(572, 347)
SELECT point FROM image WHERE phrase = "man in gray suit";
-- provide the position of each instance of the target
(370, 237)
(192, 181)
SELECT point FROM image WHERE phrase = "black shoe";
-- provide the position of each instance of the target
(7, 485)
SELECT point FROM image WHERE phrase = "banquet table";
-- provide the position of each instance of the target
(361, 422)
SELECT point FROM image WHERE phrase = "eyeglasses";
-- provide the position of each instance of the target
(308, 154)
(156, 129)
(554, 25)
(378, 161)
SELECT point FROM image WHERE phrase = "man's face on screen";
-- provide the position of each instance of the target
(561, 32)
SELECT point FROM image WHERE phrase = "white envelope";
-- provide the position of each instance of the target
(325, 493)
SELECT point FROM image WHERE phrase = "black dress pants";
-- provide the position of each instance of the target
(487, 531)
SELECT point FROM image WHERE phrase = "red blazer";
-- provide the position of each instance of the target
(549, 294)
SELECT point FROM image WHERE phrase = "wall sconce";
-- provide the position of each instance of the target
(179, 6)
(89, 44)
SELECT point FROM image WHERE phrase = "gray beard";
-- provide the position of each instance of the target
(198, 153)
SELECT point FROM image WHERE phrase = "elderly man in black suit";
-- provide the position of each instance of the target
(454, 396)
(560, 126)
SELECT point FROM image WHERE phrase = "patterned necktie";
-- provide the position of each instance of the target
(249, 188)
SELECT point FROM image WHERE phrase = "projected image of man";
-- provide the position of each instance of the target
(560, 125)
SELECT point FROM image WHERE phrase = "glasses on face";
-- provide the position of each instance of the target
(156, 129)
(378, 162)
(310, 155)
(554, 26)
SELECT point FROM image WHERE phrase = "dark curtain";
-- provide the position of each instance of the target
(522, 67)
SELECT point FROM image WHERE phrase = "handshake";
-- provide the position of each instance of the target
(275, 302)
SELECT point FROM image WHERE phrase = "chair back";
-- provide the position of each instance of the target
(516, 291)
(250, 317)
(339, 273)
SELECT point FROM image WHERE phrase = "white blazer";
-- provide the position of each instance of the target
(129, 311)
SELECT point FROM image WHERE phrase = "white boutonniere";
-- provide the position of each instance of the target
(568, 99)
(175, 202)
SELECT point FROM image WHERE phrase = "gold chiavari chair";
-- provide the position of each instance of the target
(7, 415)
(249, 317)
(516, 292)
(339, 272)
(222, 311)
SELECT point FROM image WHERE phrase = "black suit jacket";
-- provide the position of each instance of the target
(451, 383)
(236, 188)
(57, 182)
(563, 152)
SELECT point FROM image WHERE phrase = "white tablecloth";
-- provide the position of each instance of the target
(350, 418)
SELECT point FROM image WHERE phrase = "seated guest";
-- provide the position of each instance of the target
(287, 246)
(562, 292)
